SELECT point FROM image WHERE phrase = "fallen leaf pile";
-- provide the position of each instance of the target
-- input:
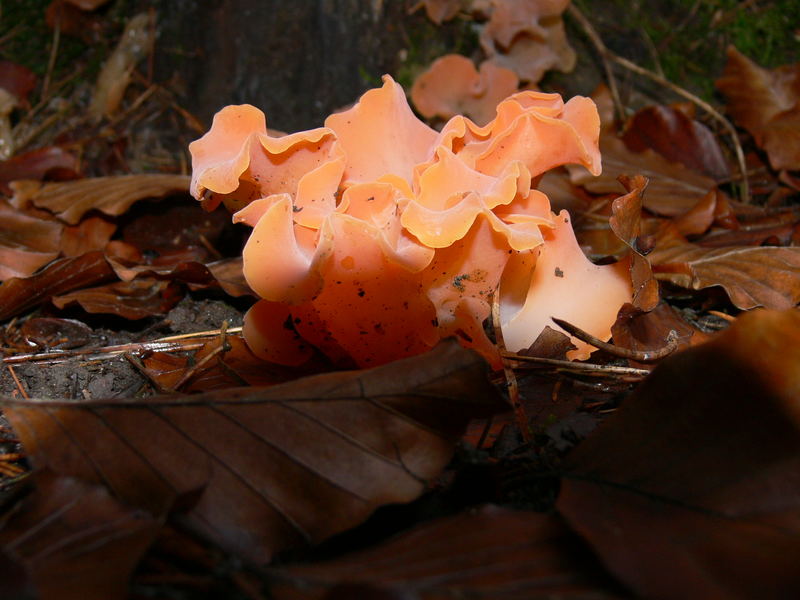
(216, 474)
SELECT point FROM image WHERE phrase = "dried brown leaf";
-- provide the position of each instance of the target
(625, 222)
(92, 233)
(27, 242)
(36, 164)
(678, 138)
(648, 331)
(228, 273)
(672, 189)
(71, 200)
(59, 277)
(712, 208)
(492, 553)
(767, 276)
(550, 344)
(17, 80)
(137, 299)
(691, 489)
(74, 540)
(272, 468)
(236, 366)
(51, 332)
(767, 104)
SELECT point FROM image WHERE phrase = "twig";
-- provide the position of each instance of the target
(644, 356)
(607, 55)
(175, 343)
(10, 34)
(595, 38)
(723, 316)
(207, 333)
(10, 469)
(624, 62)
(511, 379)
(567, 365)
(18, 382)
(51, 62)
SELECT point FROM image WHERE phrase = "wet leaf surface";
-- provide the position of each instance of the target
(691, 488)
(261, 470)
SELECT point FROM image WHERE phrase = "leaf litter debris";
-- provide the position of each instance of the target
(113, 279)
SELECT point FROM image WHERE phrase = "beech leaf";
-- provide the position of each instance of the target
(74, 541)
(264, 469)
(70, 200)
(135, 299)
(26, 242)
(672, 189)
(625, 222)
(678, 138)
(692, 488)
(492, 553)
(59, 277)
(767, 276)
(767, 104)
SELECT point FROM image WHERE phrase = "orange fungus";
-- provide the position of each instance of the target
(375, 236)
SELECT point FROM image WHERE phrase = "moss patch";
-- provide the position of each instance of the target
(685, 40)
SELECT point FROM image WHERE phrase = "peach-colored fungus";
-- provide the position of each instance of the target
(452, 86)
(375, 236)
(528, 37)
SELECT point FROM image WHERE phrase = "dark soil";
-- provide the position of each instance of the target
(92, 375)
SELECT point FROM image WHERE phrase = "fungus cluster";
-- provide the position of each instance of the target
(376, 236)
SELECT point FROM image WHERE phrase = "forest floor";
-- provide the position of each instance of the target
(144, 321)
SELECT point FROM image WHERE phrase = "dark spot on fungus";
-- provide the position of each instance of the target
(361, 293)
(287, 324)
(559, 272)
(458, 281)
